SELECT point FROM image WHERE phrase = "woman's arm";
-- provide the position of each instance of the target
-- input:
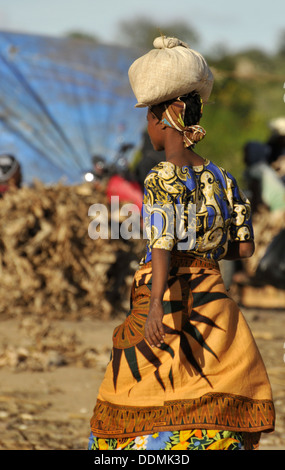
(154, 332)
(239, 250)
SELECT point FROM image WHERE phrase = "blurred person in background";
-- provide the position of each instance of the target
(10, 173)
(276, 141)
(265, 168)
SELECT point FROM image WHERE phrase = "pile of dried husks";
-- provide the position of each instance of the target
(264, 285)
(49, 263)
(266, 226)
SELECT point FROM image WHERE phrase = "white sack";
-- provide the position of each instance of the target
(169, 70)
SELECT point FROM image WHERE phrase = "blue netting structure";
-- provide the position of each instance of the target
(62, 101)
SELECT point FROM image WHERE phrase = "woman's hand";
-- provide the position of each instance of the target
(154, 332)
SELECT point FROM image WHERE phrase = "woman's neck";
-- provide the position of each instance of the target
(177, 153)
(189, 159)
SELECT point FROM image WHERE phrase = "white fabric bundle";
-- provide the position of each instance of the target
(277, 126)
(169, 70)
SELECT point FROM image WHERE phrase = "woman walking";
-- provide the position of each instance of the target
(185, 372)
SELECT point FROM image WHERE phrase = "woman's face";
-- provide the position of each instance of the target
(155, 131)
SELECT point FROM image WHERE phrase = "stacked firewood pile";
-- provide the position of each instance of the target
(50, 266)
(49, 263)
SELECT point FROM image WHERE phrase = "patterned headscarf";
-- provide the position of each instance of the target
(172, 114)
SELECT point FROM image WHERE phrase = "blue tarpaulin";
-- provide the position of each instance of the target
(63, 101)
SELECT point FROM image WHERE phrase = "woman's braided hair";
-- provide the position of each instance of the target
(194, 106)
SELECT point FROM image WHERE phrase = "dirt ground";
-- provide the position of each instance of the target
(50, 371)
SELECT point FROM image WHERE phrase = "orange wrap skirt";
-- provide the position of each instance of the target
(208, 373)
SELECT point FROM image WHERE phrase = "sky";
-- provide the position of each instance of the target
(236, 25)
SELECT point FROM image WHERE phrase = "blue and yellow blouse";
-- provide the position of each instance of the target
(196, 209)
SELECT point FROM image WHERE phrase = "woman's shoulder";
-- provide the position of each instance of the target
(170, 178)
(229, 182)
(170, 173)
(163, 169)
(220, 173)
(161, 177)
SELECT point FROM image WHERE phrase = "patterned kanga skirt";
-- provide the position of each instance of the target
(195, 439)
(206, 387)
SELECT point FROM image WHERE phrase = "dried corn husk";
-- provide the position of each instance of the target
(48, 262)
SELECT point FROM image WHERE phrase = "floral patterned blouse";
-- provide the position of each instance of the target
(196, 209)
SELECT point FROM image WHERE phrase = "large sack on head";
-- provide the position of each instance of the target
(169, 70)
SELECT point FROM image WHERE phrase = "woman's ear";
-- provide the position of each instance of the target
(157, 121)
(163, 126)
